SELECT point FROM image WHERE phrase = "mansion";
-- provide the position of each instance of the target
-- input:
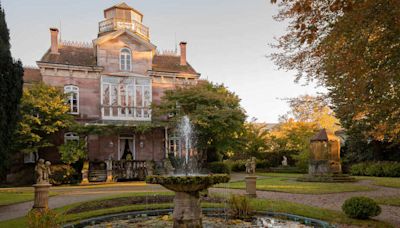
(113, 81)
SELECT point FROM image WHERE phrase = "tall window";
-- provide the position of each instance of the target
(125, 59)
(126, 98)
(174, 144)
(72, 98)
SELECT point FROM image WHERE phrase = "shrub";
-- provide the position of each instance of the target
(239, 207)
(263, 164)
(43, 219)
(218, 167)
(361, 208)
(238, 166)
(63, 174)
(378, 169)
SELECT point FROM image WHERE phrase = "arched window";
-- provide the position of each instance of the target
(71, 136)
(125, 59)
(72, 98)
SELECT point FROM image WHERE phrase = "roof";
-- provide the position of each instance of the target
(123, 5)
(71, 55)
(169, 63)
(32, 75)
(323, 135)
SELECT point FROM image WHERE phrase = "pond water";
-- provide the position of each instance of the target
(164, 221)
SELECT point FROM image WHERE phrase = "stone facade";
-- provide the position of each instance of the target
(108, 75)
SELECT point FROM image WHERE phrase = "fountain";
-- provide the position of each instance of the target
(187, 183)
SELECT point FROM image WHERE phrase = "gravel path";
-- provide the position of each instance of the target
(70, 195)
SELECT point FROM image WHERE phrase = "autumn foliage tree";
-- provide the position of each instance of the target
(44, 113)
(351, 47)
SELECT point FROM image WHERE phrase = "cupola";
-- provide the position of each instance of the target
(122, 16)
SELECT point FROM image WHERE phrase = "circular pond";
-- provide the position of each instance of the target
(213, 218)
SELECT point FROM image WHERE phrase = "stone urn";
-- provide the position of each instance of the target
(187, 209)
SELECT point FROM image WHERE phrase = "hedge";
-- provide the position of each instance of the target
(376, 169)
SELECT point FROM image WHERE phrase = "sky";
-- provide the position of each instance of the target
(228, 41)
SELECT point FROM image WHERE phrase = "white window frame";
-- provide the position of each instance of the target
(71, 136)
(137, 110)
(123, 64)
(174, 143)
(71, 90)
(31, 157)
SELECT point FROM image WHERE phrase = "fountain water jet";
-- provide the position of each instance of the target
(187, 209)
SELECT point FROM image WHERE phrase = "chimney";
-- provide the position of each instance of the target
(183, 53)
(54, 41)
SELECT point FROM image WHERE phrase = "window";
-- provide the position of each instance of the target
(126, 98)
(125, 59)
(72, 98)
(70, 136)
(174, 145)
(30, 157)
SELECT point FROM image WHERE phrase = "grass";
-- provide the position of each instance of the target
(286, 182)
(258, 204)
(390, 200)
(392, 182)
(12, 196)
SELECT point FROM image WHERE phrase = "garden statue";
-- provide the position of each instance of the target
(251, 165)
(43, 172)
(42, 185)
(284, 161)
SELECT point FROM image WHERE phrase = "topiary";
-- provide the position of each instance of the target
(361, 208)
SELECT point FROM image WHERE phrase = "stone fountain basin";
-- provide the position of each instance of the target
(192, 183)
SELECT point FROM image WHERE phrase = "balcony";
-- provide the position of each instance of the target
(113, 24)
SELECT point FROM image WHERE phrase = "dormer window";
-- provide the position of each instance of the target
(125, 59)
(72, 98)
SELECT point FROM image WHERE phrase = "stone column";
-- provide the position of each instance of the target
(41, 200)
(251, 189)
(109, 171)
(187, 210)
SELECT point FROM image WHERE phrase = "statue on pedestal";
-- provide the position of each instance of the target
(42, 171)
(251, 165)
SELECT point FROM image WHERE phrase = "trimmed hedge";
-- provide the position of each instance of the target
(63, 174)
(376, 169)
(238, 166)
(361, 208)
(218, 167)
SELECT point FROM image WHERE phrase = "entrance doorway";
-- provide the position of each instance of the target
(126, 147)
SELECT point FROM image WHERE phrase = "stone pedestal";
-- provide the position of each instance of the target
(41, 200)
(187, 210)
(251, 189)
(85, 173)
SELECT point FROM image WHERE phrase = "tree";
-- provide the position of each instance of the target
(312, 109)
(72, 151)
(254, 141)
(352, 48)
(11, 74)
(214, 111)
(44, 113)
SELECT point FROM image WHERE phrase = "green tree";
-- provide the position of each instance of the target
(11, 74)
(44, 113)
(254, 141)
(72, 151)
(214, 111)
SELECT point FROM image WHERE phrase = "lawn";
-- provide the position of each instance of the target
(392, 182)
(391, 201)
(286, 182)
(257, 204)
(12, 196)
